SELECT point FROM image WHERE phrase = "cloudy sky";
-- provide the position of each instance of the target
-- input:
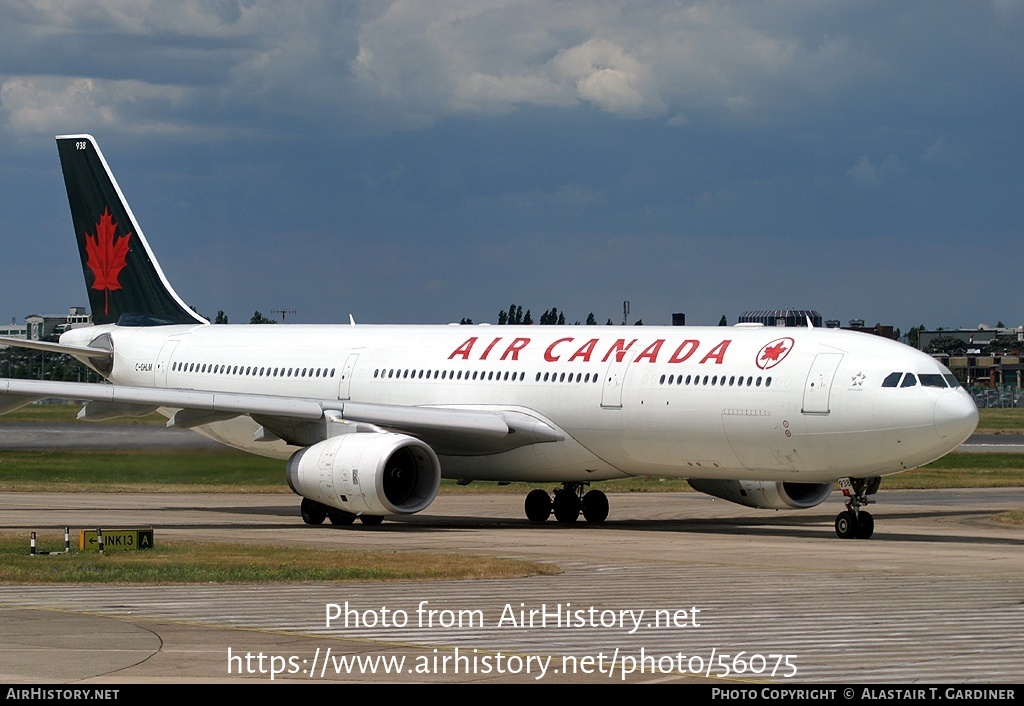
(418, 161)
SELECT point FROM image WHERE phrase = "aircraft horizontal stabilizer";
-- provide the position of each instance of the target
(80, 351)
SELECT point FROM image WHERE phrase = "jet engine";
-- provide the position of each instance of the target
(376, 473)
(782, 495)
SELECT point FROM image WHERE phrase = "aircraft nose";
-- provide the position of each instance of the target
(956, 416)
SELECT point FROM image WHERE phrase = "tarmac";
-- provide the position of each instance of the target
(674, 587)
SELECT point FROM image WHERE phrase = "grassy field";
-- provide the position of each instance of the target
(229, 471)
(1001, 421)
(180, 470)
(180, 562)
(66, 413)
(1014, 517)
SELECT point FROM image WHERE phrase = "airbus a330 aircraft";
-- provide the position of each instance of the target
(370, 418)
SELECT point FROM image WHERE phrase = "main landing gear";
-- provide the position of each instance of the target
(314, 513)
(854, 523)
(568, 503)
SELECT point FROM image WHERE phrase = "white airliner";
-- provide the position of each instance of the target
(370, 418)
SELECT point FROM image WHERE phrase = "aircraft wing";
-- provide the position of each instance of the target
(298, 421)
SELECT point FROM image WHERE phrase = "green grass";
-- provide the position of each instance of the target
(1014, 517)
(180, 470)
(227, 470)
(964, 470)
(58, 413)
(191, 562)
(1001, 421)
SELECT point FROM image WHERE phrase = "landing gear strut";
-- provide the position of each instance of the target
(854, 523)
(568, 503)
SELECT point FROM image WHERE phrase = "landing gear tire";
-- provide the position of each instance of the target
(566, 506)
(595, 507)
(538, 505)
(855, 523)
(371, 520)
(340, 517)
(846, 525)
(866, 526)
(313, 513)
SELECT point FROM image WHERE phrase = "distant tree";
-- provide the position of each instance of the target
(515, 315)
(502, 318)
(26, 364)
(221, 317)
(639, 322)
(609, 323)
(553, 317)
(1000, 324)
(950, 345)
(591, 321)
(466, 322)
(1001, 345)
(527, 319)
(258, 318)
(722, 321)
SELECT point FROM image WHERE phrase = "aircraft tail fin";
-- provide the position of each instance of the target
(123, 278)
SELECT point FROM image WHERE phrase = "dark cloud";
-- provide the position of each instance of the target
(427, 161)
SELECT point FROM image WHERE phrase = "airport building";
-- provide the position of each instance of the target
(40, 327)
(14, 331)
(986, 357)
(782, 317)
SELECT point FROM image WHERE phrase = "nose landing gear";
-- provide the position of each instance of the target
(854, 523)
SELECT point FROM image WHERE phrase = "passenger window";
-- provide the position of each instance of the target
(909, 380)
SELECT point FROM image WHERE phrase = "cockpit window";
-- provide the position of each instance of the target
(934, 380)
(909, 380)
(951, 379)
(892, 380)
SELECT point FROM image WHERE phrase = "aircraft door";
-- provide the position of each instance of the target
(611, 392)
(163, 364)
(346, 376)
(818, 387)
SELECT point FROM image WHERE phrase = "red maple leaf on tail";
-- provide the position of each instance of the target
(106, 256)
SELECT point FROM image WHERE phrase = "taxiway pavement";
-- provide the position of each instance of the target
(935, 596)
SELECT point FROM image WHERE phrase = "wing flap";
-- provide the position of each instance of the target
(109, 398)
(131, 397)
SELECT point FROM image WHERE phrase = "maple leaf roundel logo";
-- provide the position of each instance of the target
(106, 256)
(771, 354)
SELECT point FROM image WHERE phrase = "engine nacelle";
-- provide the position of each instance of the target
(781, 495)
(377, 473)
